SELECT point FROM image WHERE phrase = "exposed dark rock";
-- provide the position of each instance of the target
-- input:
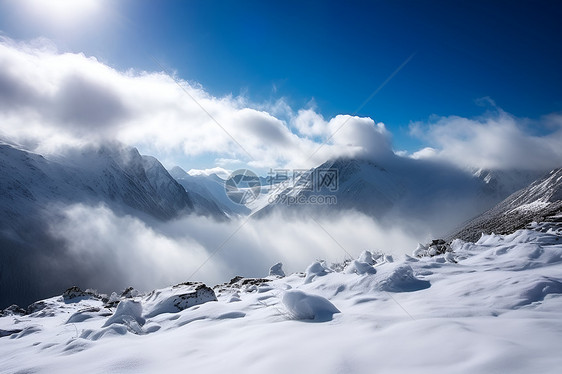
(239, 282)
(13, 310)
(73, 292)
(36, 307)
(180, 301)
(186, 284)
(438, 247)
(186, 300)
(129, 293)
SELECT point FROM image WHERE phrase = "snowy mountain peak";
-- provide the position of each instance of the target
(36, 192)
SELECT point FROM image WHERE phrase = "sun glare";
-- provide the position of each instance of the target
(62, 13)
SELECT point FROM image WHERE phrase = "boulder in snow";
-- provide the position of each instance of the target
(435, 248)
(175, 301)
(73, 292)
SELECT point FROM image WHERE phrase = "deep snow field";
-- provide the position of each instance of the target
(494, 306)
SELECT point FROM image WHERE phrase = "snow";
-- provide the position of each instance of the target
(534, 206)
(208, 189)
(314, 270)
(367, 257)
(360, 267)
(493, 306)
(402, 279)
(303, 306)
(178, 298)
(127, 311)
(277, 270)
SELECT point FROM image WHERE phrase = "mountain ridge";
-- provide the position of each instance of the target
(536, 202)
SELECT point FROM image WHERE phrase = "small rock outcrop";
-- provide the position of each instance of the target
(13, 310)
(435, 248)
(178, 299)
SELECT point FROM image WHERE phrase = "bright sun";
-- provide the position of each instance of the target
(62, 13)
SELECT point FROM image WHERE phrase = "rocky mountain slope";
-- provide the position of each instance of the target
(537, 202)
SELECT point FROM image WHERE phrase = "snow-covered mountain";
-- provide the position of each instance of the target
(536, 202)
(200, 187)
(34, 189)
(489, 306)
(209, 189)
(114, 175)
(399, 188)
(502, 183)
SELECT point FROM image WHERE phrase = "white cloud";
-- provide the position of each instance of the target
(120, 251)
(496, 140)
(361, 134)
(221, 172)
(310, 123)
(50, 99)
(426, 153)
(125, 250)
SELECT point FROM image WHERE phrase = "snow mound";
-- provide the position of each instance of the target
(177, 299)
(402, 279)
(277, 270)
(26, 331)
(128, 313)
(360, 268)
(316, 269)
(539, 290)
(112, 330)
(367, 257)
(86, 314)
(303, 306)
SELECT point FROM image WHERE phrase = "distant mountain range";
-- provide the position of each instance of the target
(402, 191)
(208, 190)
(119, 177)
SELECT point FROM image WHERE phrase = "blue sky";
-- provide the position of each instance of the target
(332, 56)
